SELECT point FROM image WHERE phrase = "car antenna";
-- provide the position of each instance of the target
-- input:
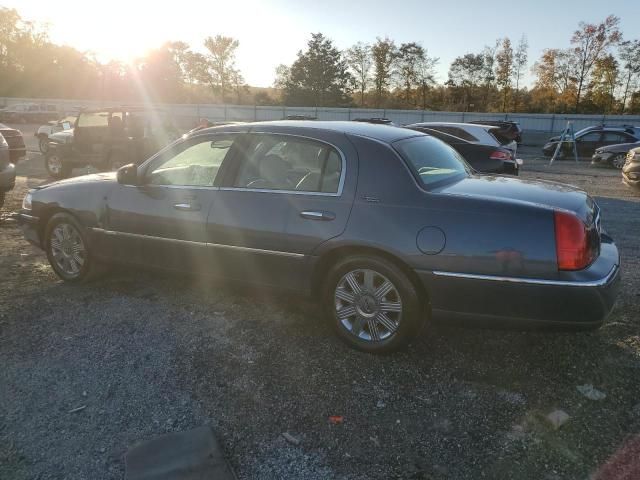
(568, 136)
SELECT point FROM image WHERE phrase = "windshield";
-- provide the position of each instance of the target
(432, 160)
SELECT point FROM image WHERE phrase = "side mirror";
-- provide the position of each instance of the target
(128, 175)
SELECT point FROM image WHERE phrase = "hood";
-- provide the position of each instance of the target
(619, 148)
(537, 193)
(83, 179)
(62, 137)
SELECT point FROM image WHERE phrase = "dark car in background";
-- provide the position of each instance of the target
(631, 168)
(483, 158)
(472, 132)
(17, 148)
(109, 138)
(386, 227)
(7, 170)
(613, 155)
(508, 129)
(376, 121)
(589, 139)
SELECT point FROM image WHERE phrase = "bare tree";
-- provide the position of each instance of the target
(221, 56)
(425, 71)
(519, 66)
(591, 42)
(410, 55)
(630, 56)
(360, 62)
(504, 70)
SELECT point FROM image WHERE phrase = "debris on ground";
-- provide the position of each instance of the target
(336, 419)
(291, 439)
(557, 418)
(591, 392)
(78, 409)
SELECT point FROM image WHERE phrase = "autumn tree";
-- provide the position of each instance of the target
(504, 70)
(360, 62)
(221, 57)
(604, 81)
(319, 76)
(384, 53)
(409, 58)
(466, 75)
(425, 71)
(590, 43)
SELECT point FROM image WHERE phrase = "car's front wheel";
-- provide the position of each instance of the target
(619, 160)
(55, 166)
(68, 250)
(373, 304)
(43, 144)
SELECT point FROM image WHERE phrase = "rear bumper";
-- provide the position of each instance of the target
(7, 178)
(584, 301)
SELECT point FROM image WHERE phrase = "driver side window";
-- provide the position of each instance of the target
(196, 165)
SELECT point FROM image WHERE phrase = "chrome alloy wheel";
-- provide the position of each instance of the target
(67, 249)
(54, 164)
(368, 305)
(619, 160)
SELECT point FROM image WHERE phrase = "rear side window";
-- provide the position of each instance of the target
(100, 119)
(456, 132)
(432, 160)
(282, 162)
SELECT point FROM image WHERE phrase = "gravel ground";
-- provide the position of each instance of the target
(88, 371)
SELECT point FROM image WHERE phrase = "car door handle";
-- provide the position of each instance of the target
(317, 215)
(186, 207)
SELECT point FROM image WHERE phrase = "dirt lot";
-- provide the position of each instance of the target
(146, 354)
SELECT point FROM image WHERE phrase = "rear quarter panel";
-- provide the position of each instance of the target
(482, 236)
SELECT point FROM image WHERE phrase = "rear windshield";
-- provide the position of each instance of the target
(432, 160)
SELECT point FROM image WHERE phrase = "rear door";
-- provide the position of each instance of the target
(284, 196)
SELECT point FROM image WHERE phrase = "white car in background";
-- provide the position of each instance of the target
(474, 133)
(52, 127)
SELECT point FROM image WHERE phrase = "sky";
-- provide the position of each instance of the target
(272, 32)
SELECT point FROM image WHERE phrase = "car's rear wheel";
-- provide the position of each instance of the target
(373, 304)
(619, 160)
(56, 167)
(68, 250)
(43, 144)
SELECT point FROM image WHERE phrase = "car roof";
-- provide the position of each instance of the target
(454, 124)
(384, 133)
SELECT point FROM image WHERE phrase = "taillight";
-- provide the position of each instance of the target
(575, 246)
(500, 155)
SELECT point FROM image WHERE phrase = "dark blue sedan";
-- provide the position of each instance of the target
(386, 227)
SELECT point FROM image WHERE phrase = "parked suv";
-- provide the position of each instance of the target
(14, 139)
(509, 130)
(109, 138)
(591, 138)
(7, 170)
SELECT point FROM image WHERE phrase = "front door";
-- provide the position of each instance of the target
(283, 197)
(588, 143)
(162, 222)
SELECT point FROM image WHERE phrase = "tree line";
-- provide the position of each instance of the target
(598, 73)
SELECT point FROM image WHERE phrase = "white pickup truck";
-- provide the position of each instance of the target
(51, 127)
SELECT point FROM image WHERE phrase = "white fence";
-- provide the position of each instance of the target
(188, 114)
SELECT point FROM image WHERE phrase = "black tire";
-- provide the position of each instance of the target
(57, 169)
(410, 320)
(43, 144)
(89, 268)
(618, 161)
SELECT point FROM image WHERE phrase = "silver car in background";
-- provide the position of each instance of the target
(7, 170)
